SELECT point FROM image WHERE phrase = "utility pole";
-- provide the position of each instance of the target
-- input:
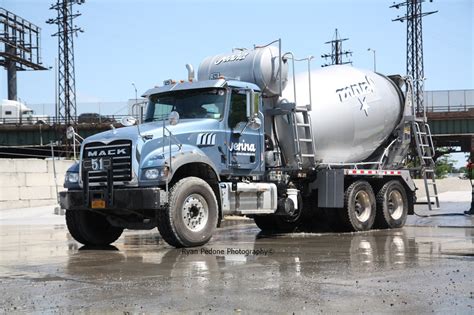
(66, 72)
(413, 17)
(337, 52)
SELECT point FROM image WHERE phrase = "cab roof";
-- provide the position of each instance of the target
(219, 83)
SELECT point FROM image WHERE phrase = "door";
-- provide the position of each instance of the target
(245, 144)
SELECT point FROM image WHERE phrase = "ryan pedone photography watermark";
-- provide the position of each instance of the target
(228, 251)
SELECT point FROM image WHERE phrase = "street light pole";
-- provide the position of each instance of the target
(375, 61)
(136, 100)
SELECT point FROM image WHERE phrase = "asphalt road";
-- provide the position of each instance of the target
(421, 268)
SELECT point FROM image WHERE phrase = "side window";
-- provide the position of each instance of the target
(8, 112)
(238, 109)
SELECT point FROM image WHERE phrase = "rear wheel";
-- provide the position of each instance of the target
(90, 228)
(392, 206)
(358, 213)
(192, 214)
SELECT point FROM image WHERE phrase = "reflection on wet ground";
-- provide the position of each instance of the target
(414, 269)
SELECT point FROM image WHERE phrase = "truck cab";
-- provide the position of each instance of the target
(208, 132)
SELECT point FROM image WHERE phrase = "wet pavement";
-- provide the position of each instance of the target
(417, 269)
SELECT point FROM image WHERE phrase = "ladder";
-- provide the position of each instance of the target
(303, 139)
(425, 150)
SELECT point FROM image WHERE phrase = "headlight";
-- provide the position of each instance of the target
(72, 177)
(155, 173)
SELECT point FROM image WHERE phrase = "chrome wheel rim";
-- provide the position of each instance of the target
(363, 206)
(395, 204)
(195, 212)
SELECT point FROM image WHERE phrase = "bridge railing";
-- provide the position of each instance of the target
(449, 100)
(449, 108)
(52, 120)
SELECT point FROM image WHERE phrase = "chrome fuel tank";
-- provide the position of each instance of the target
(353, 112)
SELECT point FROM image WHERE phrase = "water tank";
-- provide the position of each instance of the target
(353, 113)
(260, 66)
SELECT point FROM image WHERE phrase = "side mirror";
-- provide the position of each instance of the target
(255, 123)
(252, 109)
(128, 121)
(173, 118)
(252, 103)
(70, 132)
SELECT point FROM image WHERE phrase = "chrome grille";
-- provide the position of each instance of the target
(120, 154)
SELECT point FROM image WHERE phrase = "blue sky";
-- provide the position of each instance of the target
(148, 41)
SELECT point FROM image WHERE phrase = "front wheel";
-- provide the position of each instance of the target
(90, 228)
(191, 216)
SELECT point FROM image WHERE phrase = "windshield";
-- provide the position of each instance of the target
(190, 104)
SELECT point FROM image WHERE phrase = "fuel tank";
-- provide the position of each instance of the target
(353, 113)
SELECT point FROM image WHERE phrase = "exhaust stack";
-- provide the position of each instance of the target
(190, 72)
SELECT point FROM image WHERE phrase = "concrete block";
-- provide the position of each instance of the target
(9, 193)
(31, 166)
(27, 193)
(40, 179)
(12, 180)
(13, 205)
(42, 202)
(7, 166)
(61, 166)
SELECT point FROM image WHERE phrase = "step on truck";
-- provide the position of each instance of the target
(248, 139)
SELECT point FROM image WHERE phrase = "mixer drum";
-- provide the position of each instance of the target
(353, 113)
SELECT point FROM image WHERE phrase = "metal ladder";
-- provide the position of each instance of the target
(425, 149)
(304, 144)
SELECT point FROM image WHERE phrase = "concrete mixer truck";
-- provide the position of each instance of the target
(248, 139)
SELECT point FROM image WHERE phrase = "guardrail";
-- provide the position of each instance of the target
(458, 108)
(52, 120)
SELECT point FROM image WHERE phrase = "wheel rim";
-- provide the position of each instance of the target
(363, 206)
(395, 204)
(195, 212)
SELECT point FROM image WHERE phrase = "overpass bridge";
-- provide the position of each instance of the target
(450, 115)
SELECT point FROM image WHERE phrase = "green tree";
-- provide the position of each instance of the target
(444, 166)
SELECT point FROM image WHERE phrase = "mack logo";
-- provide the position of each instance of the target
(236, 57)
(109, 152)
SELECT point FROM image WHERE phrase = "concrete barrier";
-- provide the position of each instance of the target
(30, 182)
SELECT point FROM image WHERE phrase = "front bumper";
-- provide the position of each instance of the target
(126, 198)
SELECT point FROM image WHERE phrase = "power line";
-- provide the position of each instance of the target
(413, 17)
(337, 53)
(66, 108)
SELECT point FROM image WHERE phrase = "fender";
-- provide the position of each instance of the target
(189, 154)
(178, 157)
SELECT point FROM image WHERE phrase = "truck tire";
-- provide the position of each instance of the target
(392, 206)
(283, 224)
(90, 228)
(359, 209)
(192, 214)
